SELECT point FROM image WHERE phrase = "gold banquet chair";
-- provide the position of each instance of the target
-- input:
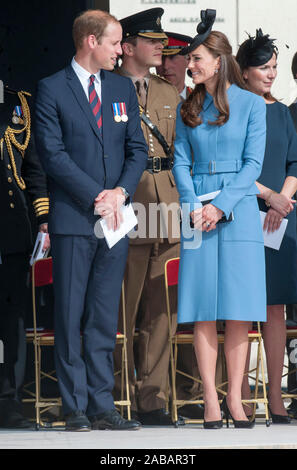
(291, 333)
(177, 338)
(42, 276)
(123, 371)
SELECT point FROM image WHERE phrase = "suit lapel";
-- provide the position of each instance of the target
(107, 117)
(81, 98)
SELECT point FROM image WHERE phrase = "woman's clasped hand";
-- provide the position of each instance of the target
(206, 218)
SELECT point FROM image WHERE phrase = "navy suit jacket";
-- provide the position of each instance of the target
(79, 162)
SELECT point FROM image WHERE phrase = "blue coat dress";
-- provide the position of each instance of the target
(223, 278)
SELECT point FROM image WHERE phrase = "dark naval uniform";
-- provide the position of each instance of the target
(20, 176)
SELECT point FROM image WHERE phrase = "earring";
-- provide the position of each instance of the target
(216, 71)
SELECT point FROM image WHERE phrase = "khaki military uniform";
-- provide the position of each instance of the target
(144, 277)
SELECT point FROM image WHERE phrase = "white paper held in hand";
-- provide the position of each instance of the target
(38, 251)
(273, 239)
(129, 222)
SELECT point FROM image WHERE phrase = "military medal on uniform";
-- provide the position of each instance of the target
(119, 112)
(124, 115)
(17, 115)
(116, 112)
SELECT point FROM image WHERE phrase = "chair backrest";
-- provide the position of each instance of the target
(171, 271)
(41, 275)
(42, 272)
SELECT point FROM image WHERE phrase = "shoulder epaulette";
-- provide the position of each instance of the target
(162, 78)
(11, 141)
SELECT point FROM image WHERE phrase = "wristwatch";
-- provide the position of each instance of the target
(125, 193)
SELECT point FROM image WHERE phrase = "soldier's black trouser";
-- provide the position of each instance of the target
(13, 278)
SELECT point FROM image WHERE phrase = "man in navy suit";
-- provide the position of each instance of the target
(92, 148)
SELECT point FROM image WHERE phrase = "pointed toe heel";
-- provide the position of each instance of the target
(213, 424)
(243, 424)
(279, 419)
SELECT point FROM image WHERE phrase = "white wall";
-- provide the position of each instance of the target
(234, 18)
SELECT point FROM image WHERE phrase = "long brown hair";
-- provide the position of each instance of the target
(218, 45)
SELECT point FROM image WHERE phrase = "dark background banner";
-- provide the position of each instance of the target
(36, 38)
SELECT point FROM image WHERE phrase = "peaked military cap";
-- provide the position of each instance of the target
(146, 24)
(256, 51)
(176, 42)
(203, 29)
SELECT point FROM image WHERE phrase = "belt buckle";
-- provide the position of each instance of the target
(212, 167)
(156, 164)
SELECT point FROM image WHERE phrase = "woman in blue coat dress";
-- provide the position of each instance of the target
(220, 143)
(257, 57)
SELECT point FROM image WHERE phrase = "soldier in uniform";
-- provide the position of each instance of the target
(174, 65)
(20, 175)
(142, 47)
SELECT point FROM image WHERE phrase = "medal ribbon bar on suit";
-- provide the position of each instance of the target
(116, 112)
(123, 109)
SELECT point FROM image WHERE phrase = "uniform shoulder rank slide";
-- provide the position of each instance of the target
(119, 112)
(17, 115)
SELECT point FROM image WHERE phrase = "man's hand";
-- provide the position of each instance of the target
(47, 243)
(108, 204)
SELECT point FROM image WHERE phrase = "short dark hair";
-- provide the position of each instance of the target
(91, 22)
(130, 40)
(294, 66)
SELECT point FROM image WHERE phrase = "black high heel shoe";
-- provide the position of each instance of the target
(237, 423)
(213, 424)
(279, 419)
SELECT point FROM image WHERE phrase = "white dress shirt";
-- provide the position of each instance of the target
(84, 78)
(183, 94)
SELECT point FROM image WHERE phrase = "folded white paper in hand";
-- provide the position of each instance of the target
(38, 251)
(273, 239)
(129, 222)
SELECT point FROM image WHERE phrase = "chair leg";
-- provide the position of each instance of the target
(264, 383)
(125, 374)
(37, 383)
(173, 360)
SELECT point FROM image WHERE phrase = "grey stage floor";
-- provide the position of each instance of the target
(149, 437)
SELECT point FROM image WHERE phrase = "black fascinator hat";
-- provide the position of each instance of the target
(256, 51)
(203, 29)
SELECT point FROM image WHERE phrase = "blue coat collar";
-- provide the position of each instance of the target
(231, 93)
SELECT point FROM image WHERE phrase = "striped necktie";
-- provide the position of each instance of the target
(95, 102)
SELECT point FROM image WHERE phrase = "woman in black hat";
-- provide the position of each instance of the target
(219, 147)
(257, 57)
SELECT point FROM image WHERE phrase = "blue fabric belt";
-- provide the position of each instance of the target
(213, 166)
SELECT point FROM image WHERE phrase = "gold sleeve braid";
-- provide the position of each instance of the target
(41, 206)
(11, 141)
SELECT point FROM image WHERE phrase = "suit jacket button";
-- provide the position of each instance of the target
(11, 205)
(10, 193)
(9, 179)
(9, 167)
